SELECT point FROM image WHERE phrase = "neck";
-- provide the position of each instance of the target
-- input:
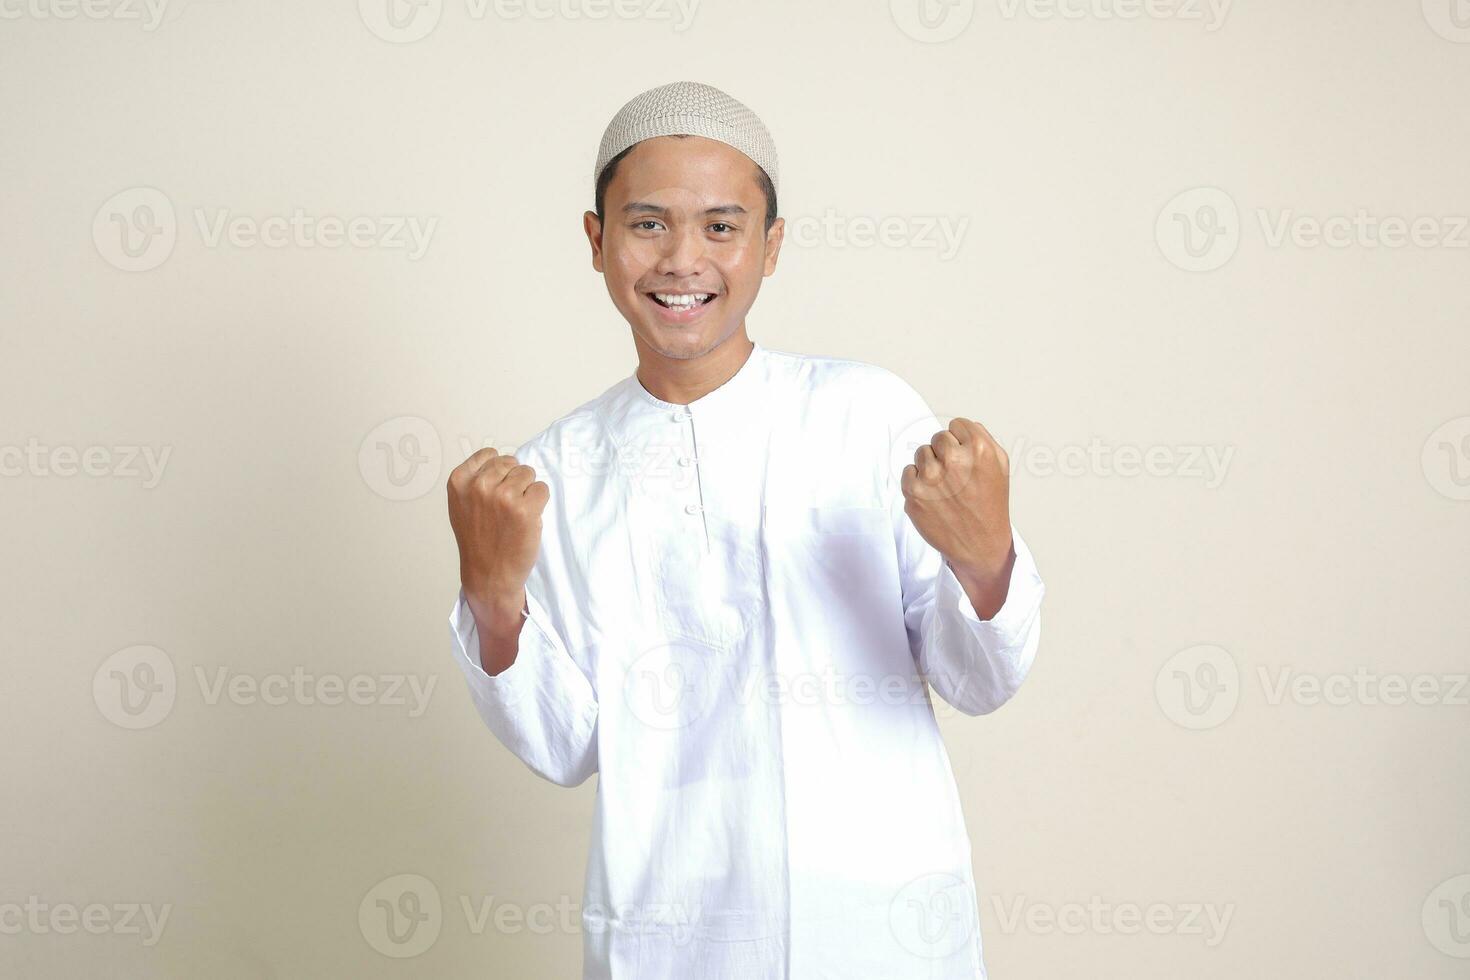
(681, 380)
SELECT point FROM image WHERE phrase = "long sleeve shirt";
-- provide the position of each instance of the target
(733, 622)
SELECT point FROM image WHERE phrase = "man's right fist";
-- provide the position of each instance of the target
(495, 506)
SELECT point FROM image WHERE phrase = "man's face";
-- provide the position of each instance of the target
(685, 216)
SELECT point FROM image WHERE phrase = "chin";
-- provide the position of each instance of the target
(682, 343)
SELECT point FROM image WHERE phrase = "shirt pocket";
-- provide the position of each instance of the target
(835, 584)
(703, 579)
(833, 554)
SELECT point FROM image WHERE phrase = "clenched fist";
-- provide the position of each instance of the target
(495, 506)
(957, 494)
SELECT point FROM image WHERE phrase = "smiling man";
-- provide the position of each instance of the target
(727, 585)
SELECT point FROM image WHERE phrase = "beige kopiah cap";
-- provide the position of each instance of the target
(694, 109)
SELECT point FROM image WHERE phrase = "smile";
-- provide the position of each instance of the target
(681, 302)
(678, 309)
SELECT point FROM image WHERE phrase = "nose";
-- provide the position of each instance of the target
(683, 250)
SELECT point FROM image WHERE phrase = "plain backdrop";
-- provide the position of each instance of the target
(1171, 241)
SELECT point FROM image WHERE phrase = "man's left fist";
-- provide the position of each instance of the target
(957, 494)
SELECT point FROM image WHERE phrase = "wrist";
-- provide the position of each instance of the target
(986, 582)
(497, 612)
(994, 565)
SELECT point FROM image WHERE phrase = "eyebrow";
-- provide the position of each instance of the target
(642, 207)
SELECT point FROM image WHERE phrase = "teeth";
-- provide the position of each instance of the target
(680, 302)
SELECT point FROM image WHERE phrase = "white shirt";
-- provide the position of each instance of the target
(731, 620)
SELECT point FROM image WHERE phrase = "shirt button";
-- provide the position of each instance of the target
(691, 508)
(681, 416)
(685, 460)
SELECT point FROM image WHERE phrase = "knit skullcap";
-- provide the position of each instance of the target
(694, 109)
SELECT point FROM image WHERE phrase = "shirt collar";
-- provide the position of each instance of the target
(746, 382)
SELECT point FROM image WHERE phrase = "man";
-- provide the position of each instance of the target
(723, 585)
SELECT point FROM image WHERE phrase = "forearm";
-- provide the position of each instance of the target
(498, 620)
(976, 658)
(986, 585)
(544, 709)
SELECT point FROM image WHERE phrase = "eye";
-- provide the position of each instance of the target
(643, 225)
(720, 224)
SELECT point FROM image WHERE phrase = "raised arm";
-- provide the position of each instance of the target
(525, 685)
(971, 590)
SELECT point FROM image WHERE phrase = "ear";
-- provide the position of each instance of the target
(774, 238)
(593, 228)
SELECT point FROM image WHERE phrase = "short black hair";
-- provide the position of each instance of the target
(608, 172)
